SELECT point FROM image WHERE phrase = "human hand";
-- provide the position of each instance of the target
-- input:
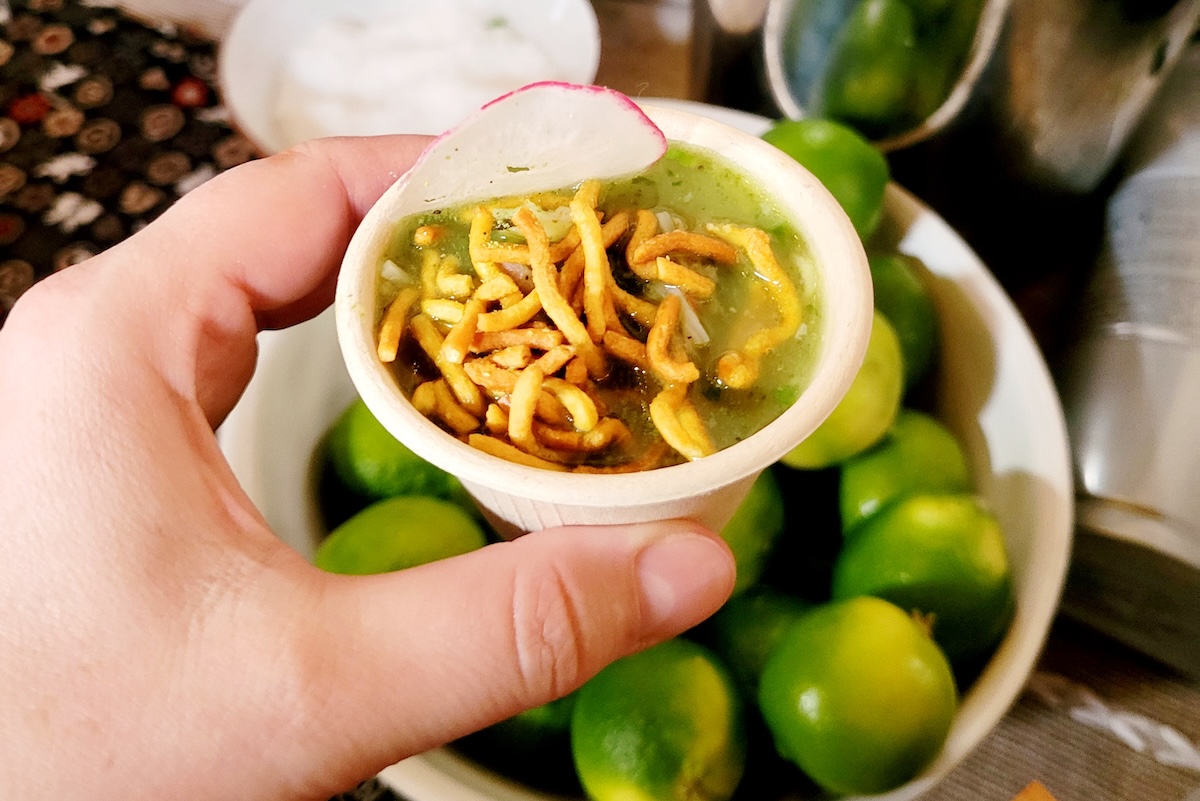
(157, 639)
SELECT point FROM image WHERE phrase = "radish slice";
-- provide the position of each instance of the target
(540, 137)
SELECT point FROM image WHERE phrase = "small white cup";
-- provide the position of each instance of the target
(517, 498)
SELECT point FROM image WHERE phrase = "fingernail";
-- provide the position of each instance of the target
(684, 577)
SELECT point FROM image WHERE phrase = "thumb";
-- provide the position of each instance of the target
(437, 651)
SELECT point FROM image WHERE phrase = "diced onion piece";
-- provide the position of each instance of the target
(522, 274)
(689, 322)
(391, 272)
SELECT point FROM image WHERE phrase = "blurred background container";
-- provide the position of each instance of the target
(1054, 86)
(1131, 387)
(1046, 97)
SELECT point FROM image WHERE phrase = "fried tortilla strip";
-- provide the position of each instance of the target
(584, 415)
(658, 345)
(424, 400)
(627, 349)
(687, 279)
(433, 399)
(739, 369)
(545, 281)
(500, 382)
(514, 357)
(534, 338)
(595, 259)
(576, 371)
(511, 316)
(555, 359)
(464, 389)
(427, 235)
(602, 408)
(483, 259)
(497, 447)
(690, 420)
(608, 432)
(496, 288)
(551, 410)
(458, 342)
(572, 268)
(577, 298)
(564, 247)
(391, 330)
(511, 299)
(450, 412)
(522, 406)
(453, 284)
(689, 242)
(665, 412)
(646, 226)
(430, 262)
(641, 311)
(443, 310)
(495, 379)
(496, 420)
(482, 246)
(611, 321)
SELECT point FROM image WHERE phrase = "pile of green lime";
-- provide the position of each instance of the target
(872, 582)
(385, 507)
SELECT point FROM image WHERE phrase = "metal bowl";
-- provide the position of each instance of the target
(779, 26)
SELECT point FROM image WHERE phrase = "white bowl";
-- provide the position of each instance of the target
(995, 393)
(375, 90)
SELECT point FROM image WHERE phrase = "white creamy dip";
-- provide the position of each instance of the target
(415, 69)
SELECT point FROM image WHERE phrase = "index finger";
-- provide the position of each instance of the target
(275, 229)
(256, 247)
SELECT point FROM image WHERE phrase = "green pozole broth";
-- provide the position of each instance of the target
(694, 187)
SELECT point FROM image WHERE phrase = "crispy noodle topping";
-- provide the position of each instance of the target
(522, 338)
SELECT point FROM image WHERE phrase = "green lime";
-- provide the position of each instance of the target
(397, 533)
(858, 696)
(919, 454)
(904, 300)
(939, 555)
(369, 460)
(665, 723)
(755, 527)
(745, 630)
(849, 166)
(870, 73)
(867, 411)
(945, 35)
(935, 70)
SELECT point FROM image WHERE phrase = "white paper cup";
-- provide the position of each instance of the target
(518, 498)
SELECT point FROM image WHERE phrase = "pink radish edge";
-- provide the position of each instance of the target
(487, 155)
(611, 94)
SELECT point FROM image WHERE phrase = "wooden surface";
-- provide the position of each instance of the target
(644, 46)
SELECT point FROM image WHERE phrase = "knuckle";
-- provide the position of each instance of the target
(548, 639)
(41, 309)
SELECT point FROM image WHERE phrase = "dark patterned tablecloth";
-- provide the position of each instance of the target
(104, 122)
